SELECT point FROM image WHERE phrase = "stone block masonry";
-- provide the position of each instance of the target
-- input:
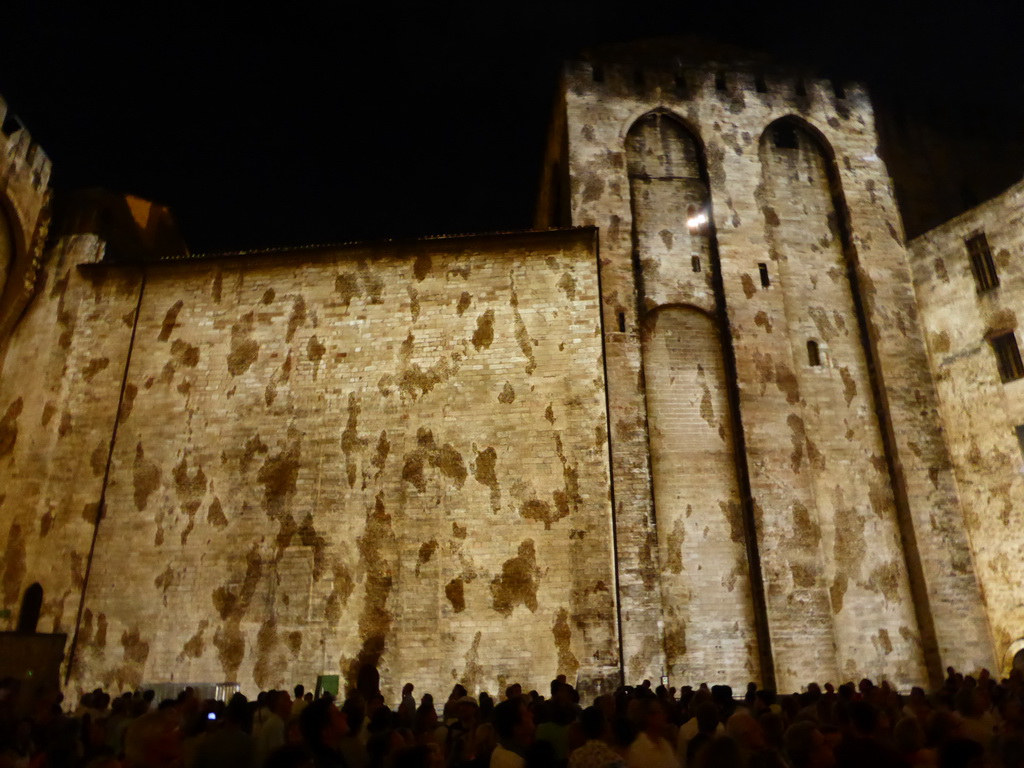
(981, 413)
(852, 509)
(395, 456)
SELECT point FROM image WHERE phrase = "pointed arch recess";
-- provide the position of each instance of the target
(847, 451)
(708, 608)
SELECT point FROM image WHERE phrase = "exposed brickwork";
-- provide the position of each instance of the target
(484, 459)
(58, 399)
(322, 461)
(815, 508)
(979, 411)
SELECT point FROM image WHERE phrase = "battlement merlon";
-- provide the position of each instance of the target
(672, 84)
(24, 201)
(21, 159)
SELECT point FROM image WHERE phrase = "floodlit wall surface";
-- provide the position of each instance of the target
(980, 412)
(59, 389)
(860, 573)
(324, 459)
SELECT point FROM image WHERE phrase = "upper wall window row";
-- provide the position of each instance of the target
(982, 265)
(1008, 357)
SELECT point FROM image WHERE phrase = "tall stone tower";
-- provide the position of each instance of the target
(784, 504)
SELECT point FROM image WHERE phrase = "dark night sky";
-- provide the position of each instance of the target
(283, 127)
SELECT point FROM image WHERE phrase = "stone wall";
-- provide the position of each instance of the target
(980, 412)
(394, 455)
(24, 208)
(58, 399)
(855, 516)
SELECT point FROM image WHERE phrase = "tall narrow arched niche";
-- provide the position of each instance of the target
(836, 433)
(671, 208)
(710, 624)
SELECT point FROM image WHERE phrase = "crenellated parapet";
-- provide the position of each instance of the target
(24, 216)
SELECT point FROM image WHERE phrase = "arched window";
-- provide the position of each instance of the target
(31, 605)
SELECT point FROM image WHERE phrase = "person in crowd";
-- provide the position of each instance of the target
(595, 752)
(513, 724)
(324, 728)
(651, 749)
(806, 746)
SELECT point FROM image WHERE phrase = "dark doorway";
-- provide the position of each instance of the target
(31, 605)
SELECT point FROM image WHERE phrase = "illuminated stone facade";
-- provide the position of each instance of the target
(694, 434)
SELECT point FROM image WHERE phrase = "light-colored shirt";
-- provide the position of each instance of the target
(646, 752)
(506, 758)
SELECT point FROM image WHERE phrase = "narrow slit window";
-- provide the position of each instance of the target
(638, 78)
(1019, 429)
(1008, 357)
(839, 90)
(765, 279)
(982, 265)
(813, 354)
(760, 85)
(622, 322)
(720, 84)
(597, 73)
(801, 88)
(682, 87)
(695, 263)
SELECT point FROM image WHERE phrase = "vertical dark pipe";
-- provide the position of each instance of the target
(611, 466)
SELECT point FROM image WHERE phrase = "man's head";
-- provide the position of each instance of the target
(281, 704)
(153, 741)
(513, 721)
(746, 730)
(323, 725)
(806, 746)
(300, 691)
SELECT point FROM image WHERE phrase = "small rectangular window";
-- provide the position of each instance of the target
(765, 280)
(982, 265)
(838, 89)
(638, 78)
(720, 81)
(1019, 429)
(801, 89)
(760, 85)
(1008, 357)
(597, 72)
(622, 322)
(813, 355)
(695, 263)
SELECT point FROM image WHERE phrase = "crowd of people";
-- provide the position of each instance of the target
(970, 721)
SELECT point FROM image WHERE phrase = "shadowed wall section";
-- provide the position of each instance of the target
(705, 578)
(837, 438)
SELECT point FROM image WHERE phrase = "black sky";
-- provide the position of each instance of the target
(360, 121)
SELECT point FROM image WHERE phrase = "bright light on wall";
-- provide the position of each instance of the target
(698, 221)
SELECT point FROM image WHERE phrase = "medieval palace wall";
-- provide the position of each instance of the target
(844, 505)
(970, 288)
(322, 459)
